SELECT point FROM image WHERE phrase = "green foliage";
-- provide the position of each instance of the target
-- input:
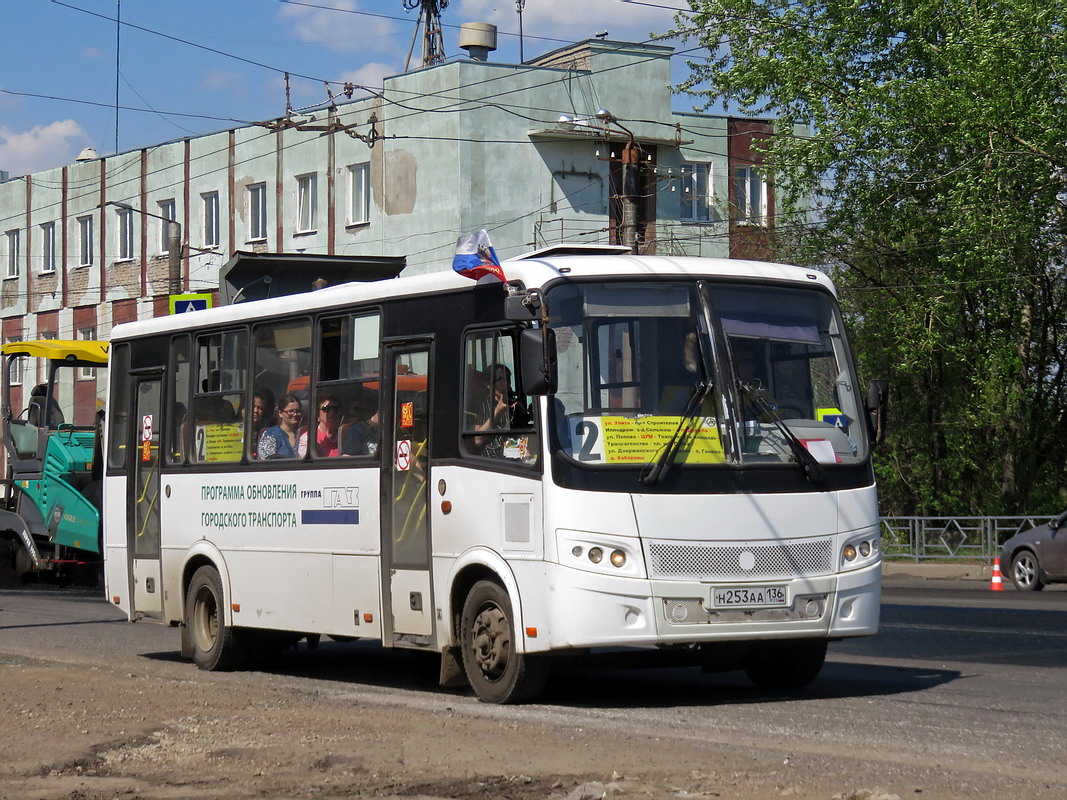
(937, 159)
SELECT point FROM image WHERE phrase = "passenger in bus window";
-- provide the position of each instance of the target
(283, 439)
(262, 413)
(329, 420)
(361, 438)
(213, 410)
(503, 410)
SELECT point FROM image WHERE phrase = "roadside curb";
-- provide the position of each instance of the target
(939, 572)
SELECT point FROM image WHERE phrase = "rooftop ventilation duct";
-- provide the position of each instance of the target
(478, 39)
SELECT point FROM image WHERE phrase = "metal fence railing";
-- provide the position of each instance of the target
(950, 538)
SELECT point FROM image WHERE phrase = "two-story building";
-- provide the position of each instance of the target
(579, 145)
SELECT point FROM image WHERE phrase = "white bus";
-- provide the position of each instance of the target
(608, 451)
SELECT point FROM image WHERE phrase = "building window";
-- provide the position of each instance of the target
(48, 247)
(12, 254)
(750, 196)
(257, 212)
(124, 217)
(17, 368)
(85, 241)
(359, 194)
(86, 335)
(698, 194)
(168, 211)
(211, 219)
(305, 203)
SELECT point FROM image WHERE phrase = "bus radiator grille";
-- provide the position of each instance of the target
(808, 608)
(805, 558)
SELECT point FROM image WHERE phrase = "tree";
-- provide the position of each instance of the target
(937, 162)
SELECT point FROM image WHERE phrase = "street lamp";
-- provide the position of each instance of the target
(174, 243)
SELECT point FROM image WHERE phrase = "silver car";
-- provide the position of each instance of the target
(1038, 556)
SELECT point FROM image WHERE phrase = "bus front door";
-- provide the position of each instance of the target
(408, 613)
(142, 525)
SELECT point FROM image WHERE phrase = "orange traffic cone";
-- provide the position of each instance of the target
(997, 584)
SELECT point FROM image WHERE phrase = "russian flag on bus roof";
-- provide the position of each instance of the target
(475, 257)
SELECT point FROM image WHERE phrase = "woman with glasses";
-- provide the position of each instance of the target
(329, 421)
(282, 440)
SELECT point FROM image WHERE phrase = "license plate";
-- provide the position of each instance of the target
(748, 597)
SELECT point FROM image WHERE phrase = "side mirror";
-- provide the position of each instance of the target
(1057, 523)
(537, 361)
(877, 409)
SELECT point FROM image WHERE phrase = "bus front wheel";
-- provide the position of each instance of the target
(214, 644)
(494, 668)
(785, 665)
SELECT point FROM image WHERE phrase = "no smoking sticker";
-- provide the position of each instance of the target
(403, 455)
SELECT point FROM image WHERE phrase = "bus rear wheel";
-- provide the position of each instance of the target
(494, 668)
(214, 644)
(786, 665)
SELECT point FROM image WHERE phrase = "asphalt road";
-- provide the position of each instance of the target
(962, 694)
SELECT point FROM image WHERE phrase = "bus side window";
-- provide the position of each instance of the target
(497, 418)
(178, 401)
(348, 376)
(218, 433)
(281, 366)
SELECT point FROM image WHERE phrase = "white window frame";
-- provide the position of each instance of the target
(17, 376)
(14, 246)
(359, 194)
(48, 248)
(211, 219)
(85, 241)
(87, 334)
(124, 233)
(167, 210)
(749, 196)
(696, 197)
(306, 202)
(257, 212)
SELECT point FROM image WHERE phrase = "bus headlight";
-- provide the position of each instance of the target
(600, 552)
(860, 551)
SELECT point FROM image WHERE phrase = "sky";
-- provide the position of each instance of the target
(188, 67)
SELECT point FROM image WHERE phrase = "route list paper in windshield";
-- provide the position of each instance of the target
(639, 440)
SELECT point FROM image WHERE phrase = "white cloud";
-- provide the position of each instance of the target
(41, 147)
(338, 29)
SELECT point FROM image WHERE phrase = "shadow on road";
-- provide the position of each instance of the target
(366, 663)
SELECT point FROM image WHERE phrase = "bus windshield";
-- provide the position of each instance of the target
(737, 374)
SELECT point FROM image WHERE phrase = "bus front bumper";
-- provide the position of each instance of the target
(591, 610)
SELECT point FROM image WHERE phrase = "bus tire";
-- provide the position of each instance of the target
(496, 672)
(215, 645)
(785, 665)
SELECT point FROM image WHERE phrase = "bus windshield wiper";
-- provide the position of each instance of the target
(812, 468)
(674, 444)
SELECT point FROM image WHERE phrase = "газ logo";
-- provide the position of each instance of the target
(340, 506)
(340, 497)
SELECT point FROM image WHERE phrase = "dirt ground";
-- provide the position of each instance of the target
(69, 732)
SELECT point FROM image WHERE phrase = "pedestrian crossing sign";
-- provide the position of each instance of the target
(183, 303)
